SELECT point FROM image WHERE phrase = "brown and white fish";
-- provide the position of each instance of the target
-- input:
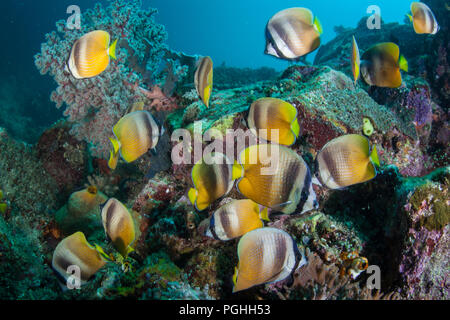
(235, 219)
(213, 177)
(423, 19)
(381, 65)
(276, 177)
(266, 255)
(274, 120)
(90, 54)
(345, 161)
(203, 79)
(292, 33)
(119, 226)
(75, 250)
(134, 135)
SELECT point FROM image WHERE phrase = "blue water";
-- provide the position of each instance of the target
(233, 31)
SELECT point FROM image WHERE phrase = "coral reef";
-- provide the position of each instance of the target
(97, 103)
(399, 221)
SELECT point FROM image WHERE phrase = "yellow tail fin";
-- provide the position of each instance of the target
(237, 171)
(403, 63)
(318, 25)
(192, 195)
(112, 50)
(295, 127)
(264, 214)
(102, 253)
(115, 143)
(374, 156)
(3, 207)
(235, 275)
(410, 17)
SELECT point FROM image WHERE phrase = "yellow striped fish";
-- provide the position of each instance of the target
(346, 161)
(266, 255)
(274, 120)
(236, 219)
(356, 60)
(119, 226)
(135, 134)
(203, 79)
(276, 177)
(212, 178)
(292, 33)
(423, 19)
(75, 250)
(90, 54)
(381, 65)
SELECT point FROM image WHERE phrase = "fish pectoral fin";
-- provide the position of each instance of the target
(281, 205)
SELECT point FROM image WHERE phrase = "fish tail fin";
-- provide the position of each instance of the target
(264, 214)
(410, 17)
(237, 171)
(374, 156)
(235, 274)
(116, 144)
(295, 127)
(318, 25)
(128, 251)
(403, 63)
(112, 50)
(192, 195)
(102, 253)
(3, 207)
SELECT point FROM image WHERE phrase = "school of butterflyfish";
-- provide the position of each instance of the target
(270, 175)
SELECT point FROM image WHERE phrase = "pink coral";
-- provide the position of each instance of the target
(95, 104)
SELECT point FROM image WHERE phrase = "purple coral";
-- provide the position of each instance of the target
(419, 100)
(95, 104)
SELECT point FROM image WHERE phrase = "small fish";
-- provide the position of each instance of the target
(271, 116)
(75, 250)
(346, 161)
(276, 177)
(119, 226)
(212, 178)
(423, 19)
(356, 60)
(84, 201)
(90, 54)
(381, 65)
(236, 219)
(135, 134)
(266, 255)
(292, 33)
(203, 79)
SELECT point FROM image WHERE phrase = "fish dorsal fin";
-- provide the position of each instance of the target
(303, 14)
(383, 49)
